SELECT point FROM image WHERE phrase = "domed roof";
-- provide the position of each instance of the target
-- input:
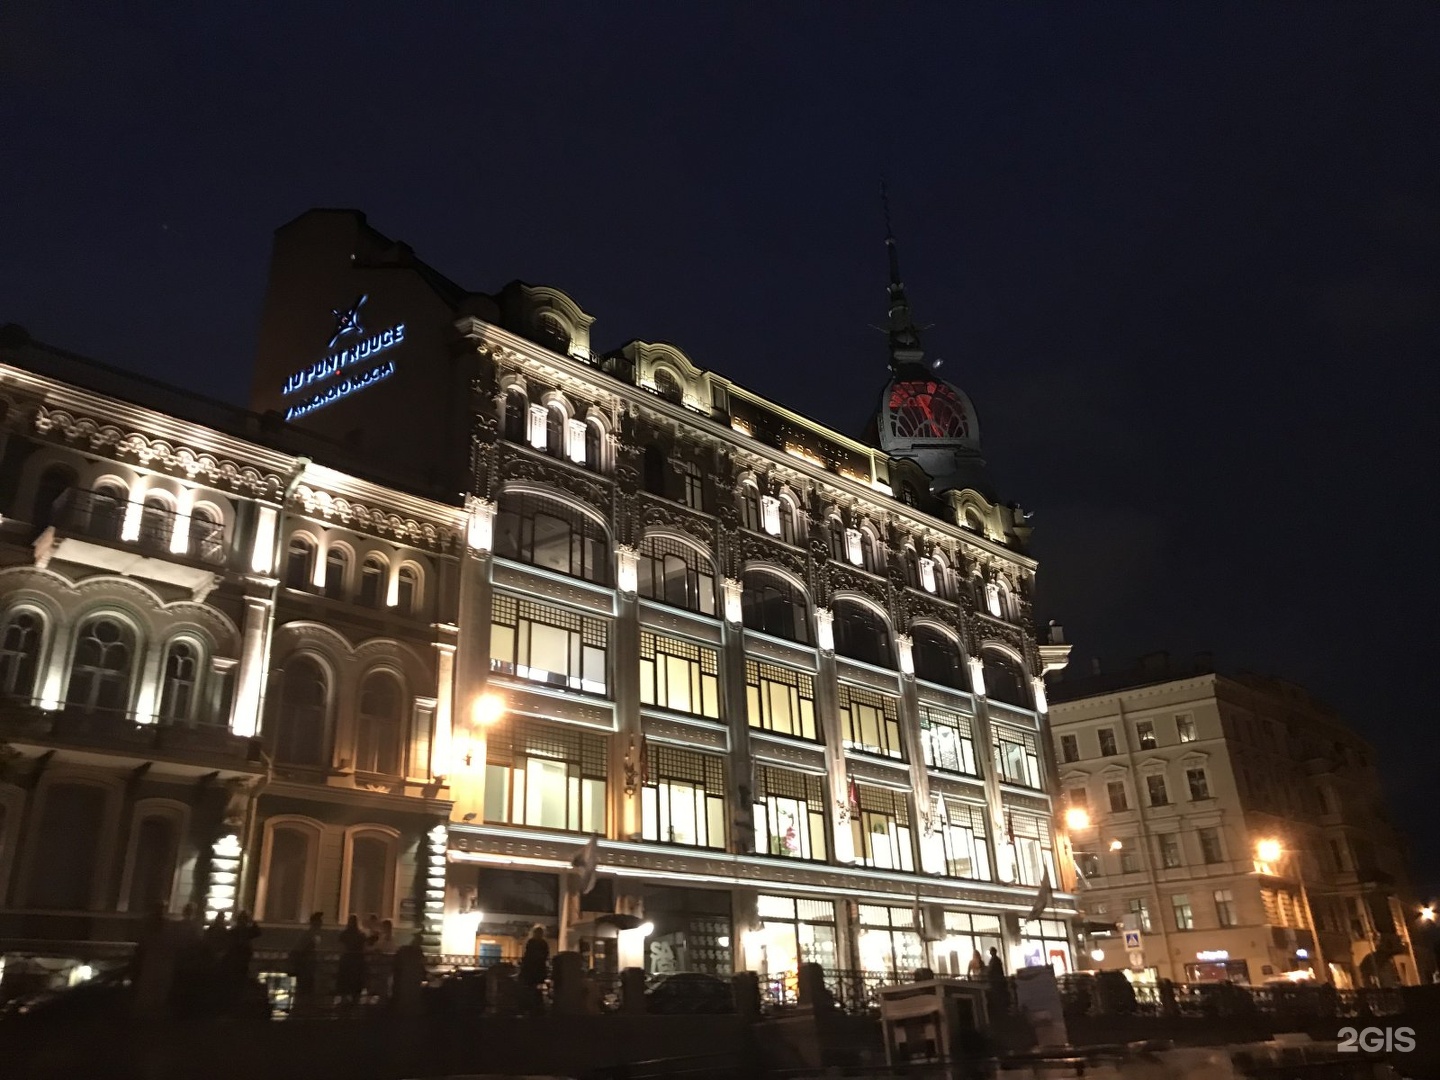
(918, 408)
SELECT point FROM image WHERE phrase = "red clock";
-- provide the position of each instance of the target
(927, 410)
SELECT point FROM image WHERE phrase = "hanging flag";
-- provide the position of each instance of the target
(919, 919)
(585, 862)
(644, 762)
(854, 796)
(1010, 827)
(1042, 898)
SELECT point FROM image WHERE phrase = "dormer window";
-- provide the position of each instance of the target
(553, 333)
(668, 387)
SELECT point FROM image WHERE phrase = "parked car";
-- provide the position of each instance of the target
(105, 996)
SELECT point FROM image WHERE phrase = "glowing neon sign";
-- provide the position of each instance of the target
(347, 324)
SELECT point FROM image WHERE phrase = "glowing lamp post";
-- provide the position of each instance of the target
(1077, 818)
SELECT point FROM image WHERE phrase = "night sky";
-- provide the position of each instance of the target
(1182, 257)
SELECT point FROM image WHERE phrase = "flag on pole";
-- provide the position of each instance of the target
(585, 862)
(644, 763)
(1010, 827)
(1042, 898)
(854, 797)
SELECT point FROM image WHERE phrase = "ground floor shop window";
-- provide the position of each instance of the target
(791, 932)
(691, 931)
(964, 936)
(1045, 941)
(1237, 971)
(888, 940)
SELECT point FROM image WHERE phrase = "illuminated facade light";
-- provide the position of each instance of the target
(905, 646)
(627, 569)
(1269, 851)
(927, 574)
(734, 610)
(262, 553)
(479, 524)
(825, 629)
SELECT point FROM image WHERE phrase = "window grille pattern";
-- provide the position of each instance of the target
(675, 574)
(682, 800)
(789, 813)
(870, 721)
(553, 536)
(546, 774)
(1016, 759)
(1034, 856)
(946, 741)
(679, 675)
(548, 645)
(780, 699)
(881, 830)
(960, 832)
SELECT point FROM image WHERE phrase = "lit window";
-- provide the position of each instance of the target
(1184, 917)
(1034, 856)
(679, 675)
(881, 830)
(960, 831)
(1016, 758)
(682, 797)
(869, 722)
(789, 813)
(780, 700)
(945, 739)
(1225, 907)
(545, 775)
(548, 645)
(1145, 733)
(1140, 908)
(1185, 727)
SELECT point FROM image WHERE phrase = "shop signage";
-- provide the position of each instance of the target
(364, 350)
(1212, 956)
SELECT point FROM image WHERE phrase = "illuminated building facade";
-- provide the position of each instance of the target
(491, 591)
(1237, 824)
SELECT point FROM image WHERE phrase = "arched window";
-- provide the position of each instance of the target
(304, 714)
(937, 658)
(337, 567)
(772, 605)
(870, 552)
(67, 847)
(207, 535)
(152, 869)
(517, 416)
(668, 387)
(20, 653)
(372, 580)
(100, 672)
(549, 534)
(912, 568)
(182, 677)
(835, 533)
(299, 563)
(593, 446)
(156, 521)
(287, 875)
(750, 506)
(377, 746)
(676, 574)
(861, 634)
(1004, 680)
(407, 589)
(555, 431)
(942, 578)
(372, 877)
(552, 333)
(789, 520)
(107, 512)
(54, 482)
(908, 495)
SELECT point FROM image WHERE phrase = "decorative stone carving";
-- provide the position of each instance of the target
(517, 465)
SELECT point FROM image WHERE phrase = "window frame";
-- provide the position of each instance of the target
(10, 673)
(313, 831)
(178, 815)
(763, 681)
(588, 538)
(580, 631)
(132, 641)
(391, 839)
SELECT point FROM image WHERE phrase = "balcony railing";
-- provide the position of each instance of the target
(94, 516)
(76, 725)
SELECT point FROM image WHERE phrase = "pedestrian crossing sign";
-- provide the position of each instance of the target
(1132, 939)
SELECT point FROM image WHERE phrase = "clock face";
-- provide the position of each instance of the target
(927, 410)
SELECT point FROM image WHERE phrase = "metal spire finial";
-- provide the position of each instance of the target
(904, 334)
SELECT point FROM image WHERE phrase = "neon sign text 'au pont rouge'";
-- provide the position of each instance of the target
(347, 323)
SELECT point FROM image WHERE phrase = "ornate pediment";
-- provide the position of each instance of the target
(376, 520)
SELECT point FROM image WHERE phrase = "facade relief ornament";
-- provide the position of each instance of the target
(517, 465)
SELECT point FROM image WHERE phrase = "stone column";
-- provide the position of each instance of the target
(735, 706)
(250, 681)
(629, 742)
(924, 804)
(827, 702)
(985, 758)
(471, 663)
(442, 763)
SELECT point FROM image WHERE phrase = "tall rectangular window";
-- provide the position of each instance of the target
(1145, 734)
(1107, 742)
(780, 699)
(1078, 797)
(1210, 849)
(870, 721)
(789, 813)
(679, 675)
(946, 741)
(1199, 783)
(1069, 748)
(1225, 907)
(961, 832)
(1015, 757)
(881, 830)
(682, 797)
(1170, 850)
(1155, 785)
(1129, 862)
(692, 485)
(1184, 917)
(1119, 798)
(675, 574)
(1185, 727)
(1034, 855)
(548, 645)
(1140, 908)
(546, 775)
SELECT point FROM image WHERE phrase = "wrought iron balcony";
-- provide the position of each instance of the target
(22, 720)
(95, 516)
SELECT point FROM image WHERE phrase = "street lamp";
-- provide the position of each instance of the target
(1269, 850)
(489, 708)
(1427, 913)
(1116, 845)
(1077, 818)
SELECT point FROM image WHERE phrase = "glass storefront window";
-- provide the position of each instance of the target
(1045, 941)
(792, 932)
(889, 941)
(964, 934)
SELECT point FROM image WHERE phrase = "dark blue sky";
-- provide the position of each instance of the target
(1183, 257)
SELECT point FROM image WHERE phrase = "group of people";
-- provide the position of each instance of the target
(189, 967)
(993, 974)
(372, 966)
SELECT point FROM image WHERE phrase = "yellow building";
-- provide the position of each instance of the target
(1236, 824)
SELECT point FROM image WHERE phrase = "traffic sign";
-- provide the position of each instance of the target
(1133, 940)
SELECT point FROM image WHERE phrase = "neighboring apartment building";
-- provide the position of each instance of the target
(1236, 823)
(489, 592)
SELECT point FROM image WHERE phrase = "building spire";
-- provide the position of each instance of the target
(904, 334)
